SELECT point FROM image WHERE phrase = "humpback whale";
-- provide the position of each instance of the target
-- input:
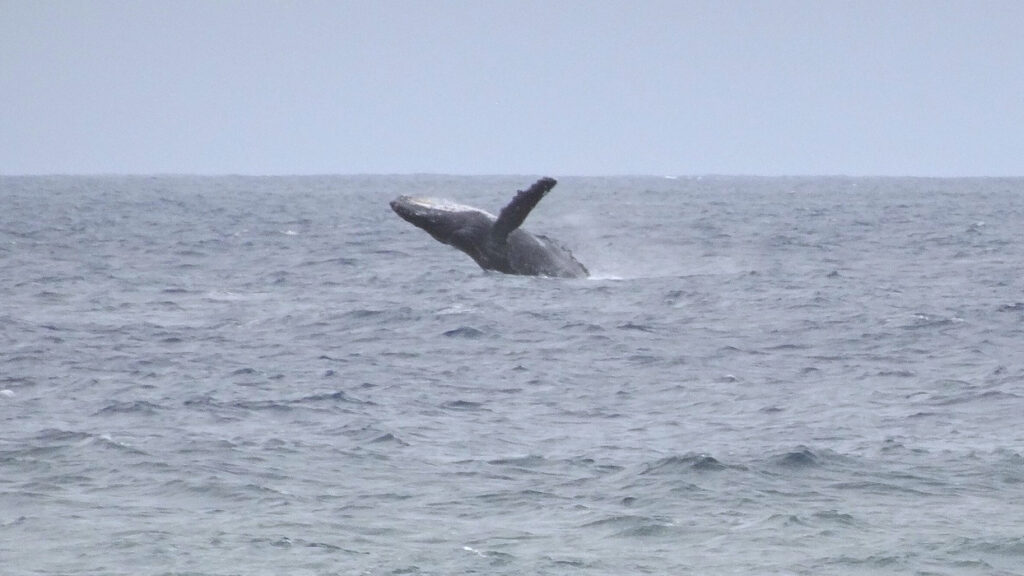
(494, 242)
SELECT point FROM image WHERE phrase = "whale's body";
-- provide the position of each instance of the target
(494, 242)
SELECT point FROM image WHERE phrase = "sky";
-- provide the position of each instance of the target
(558, 87)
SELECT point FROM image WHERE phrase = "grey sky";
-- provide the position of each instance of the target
(482, 87)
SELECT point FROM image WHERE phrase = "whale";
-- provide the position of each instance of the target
(498, 243)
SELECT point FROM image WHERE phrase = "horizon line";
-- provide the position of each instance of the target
(709, 175)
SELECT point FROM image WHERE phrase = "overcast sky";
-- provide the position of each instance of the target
(598, 87)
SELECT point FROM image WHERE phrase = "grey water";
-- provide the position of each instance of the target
(277, 375)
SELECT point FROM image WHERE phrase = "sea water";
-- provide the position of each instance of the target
(234, 375)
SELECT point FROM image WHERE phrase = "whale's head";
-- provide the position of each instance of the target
(458, 225)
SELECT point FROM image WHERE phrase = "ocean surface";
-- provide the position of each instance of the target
(256, 375)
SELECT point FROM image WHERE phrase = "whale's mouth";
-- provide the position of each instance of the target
(422, 204)
(420, 210)
(448, 222)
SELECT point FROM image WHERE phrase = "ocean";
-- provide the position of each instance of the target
(277, 375)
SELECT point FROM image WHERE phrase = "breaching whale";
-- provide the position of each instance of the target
(495, 243)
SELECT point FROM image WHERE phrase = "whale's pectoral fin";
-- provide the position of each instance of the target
(513, 215)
